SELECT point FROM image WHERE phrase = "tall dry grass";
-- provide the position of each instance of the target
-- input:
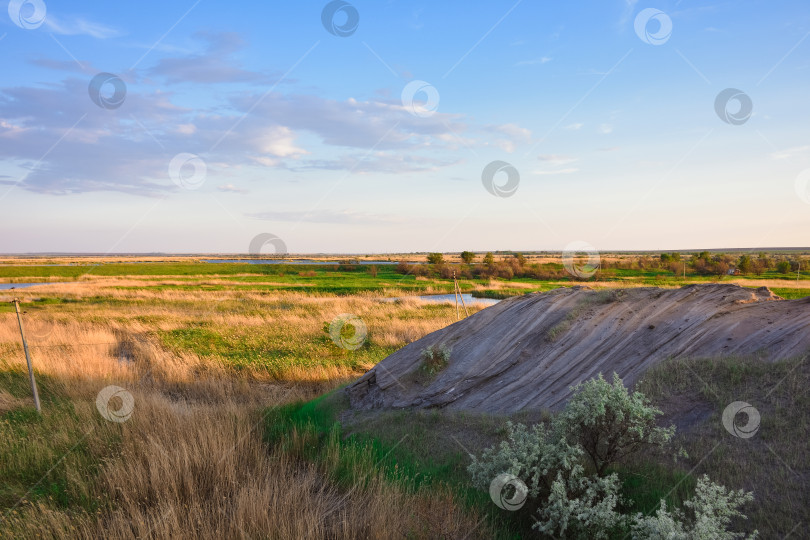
(190, 462)
(186, 470)
(70, 339)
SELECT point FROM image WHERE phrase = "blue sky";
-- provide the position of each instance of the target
(613, 131)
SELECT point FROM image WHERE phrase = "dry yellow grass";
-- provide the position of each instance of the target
(192, 471)
(7, 401)
(87, 340)
(771, 283)
(190, 462)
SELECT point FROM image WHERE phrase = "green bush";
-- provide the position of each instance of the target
(435, 258)
(434, 359)
(467, 256)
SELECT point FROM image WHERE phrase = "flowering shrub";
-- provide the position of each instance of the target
(601, 424)
(609, 423)
(708, 515)
(581, 506)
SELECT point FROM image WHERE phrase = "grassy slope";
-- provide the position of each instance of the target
(49, 457)
(775, 462)
(405, 450)
(423, 448)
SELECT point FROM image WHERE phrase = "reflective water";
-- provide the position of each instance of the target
(447, 298)
(6, 286)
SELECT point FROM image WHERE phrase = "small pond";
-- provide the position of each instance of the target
(447, 298)
(7, 286)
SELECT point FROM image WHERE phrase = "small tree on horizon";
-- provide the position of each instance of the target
(489, 259)
(435, 258)
(467, 256)
(745, 264)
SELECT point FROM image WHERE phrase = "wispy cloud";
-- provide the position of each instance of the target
(65, 65)
(132, 157)
(534, 61)
(77, 26)
(574, 127)
(322, 216)
(378, 162)
(627, 13)
(790, 152)
(230, 188)
(569, 170)
(215, 64)
(557, 159)
(513, 135)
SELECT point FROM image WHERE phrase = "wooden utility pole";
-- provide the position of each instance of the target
(458, 295)
(466, 314)
(455, 296)
(27, 357)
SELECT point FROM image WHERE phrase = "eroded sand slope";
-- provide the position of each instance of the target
(526, 352)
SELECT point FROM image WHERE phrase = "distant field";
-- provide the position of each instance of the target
(270, 320)
(349, 279)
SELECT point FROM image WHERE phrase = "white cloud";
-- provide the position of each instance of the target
(574, 127)
(278, 141)
(250, 128)
(266, 161)
(514, 131)
(605, 129)
(505, 145)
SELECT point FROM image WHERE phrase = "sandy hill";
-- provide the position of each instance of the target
(525, 352)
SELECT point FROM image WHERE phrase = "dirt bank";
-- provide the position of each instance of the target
(526, 352)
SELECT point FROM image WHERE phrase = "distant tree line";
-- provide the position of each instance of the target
(515, 265)
(508, 267)
(706, 263)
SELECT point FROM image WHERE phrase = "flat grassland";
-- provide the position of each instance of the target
(224, 361)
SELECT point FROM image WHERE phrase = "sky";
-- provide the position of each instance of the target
(197, 126)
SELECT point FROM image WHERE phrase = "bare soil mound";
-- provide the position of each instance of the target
(526, 352)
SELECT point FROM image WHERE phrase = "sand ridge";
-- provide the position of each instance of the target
(526, 352)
